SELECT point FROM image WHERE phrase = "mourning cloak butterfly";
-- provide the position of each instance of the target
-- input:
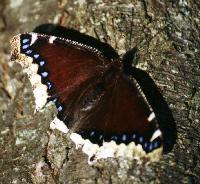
(105, 110)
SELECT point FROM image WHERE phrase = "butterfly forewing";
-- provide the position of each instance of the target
(68, 68)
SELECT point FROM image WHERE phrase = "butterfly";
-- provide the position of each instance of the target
(103, 107)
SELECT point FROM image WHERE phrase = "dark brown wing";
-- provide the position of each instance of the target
(120, 113)
(66, 67)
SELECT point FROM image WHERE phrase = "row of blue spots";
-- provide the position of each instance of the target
(28, 51)
(25, 43)
(96, 137)
(26, 48)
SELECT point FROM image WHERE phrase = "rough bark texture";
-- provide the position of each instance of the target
(167, 34)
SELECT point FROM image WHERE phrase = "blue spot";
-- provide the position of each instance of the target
(155, 144)
(25, 40)
(25, 46)
(150, 146)
(60, 108)
(44, 74)
(100, 137)
(49, 85)
(141, 139)
(114, 137)
(42, 63)
(133, 136)
(145, 145)
(36, 56)
(55, 100)
(81, 132)
(92, 133)
(29, 51)
(124, 137)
